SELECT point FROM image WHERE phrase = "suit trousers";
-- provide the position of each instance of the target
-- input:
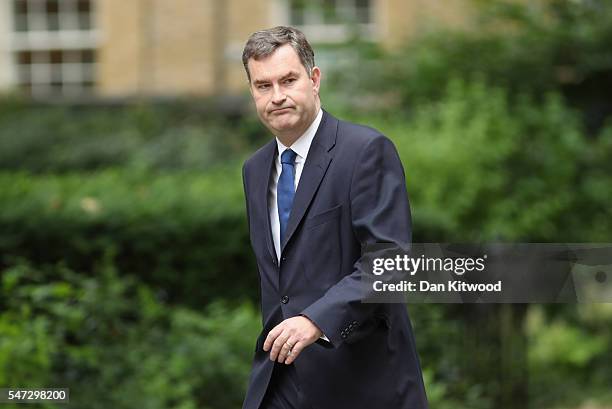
(284, 390)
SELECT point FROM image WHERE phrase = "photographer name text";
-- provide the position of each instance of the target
(426, 286)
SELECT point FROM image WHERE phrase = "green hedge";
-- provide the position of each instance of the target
(183, 232)
(480, 168)
(116, 345)
(179, 134)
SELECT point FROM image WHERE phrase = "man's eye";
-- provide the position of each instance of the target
(263, 87)
(289, 80)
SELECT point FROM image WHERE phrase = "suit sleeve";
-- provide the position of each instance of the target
(380, 213)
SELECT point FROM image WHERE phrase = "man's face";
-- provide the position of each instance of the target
(286, 97)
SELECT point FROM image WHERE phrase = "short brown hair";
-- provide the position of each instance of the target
(263, 43)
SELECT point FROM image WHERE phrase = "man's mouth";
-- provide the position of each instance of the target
(280, 110)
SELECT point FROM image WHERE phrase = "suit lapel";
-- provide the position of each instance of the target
(262, 198)
(316, 165)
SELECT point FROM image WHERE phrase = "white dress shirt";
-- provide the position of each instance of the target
(301, 147)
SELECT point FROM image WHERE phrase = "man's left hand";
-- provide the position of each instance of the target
(290, 337)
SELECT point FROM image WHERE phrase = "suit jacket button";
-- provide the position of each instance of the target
(343, 336)
(285, 299)
(284, 259)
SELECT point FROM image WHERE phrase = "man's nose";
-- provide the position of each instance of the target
(278, 97)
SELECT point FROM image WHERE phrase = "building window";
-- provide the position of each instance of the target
(56, 72)
(332, 20)
(52, 15)
(54, 44)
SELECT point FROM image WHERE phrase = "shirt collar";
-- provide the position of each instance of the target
(302, 145)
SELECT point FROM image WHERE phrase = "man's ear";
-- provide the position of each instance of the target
(315, 77)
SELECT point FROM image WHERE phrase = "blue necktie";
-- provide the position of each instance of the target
(285, 190)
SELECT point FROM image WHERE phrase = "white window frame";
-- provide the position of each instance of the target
(7, 68)
(39, 39)
(317, 31)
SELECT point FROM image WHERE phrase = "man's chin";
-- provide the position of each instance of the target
(284, 126)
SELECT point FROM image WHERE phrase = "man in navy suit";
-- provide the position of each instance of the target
(315, 194)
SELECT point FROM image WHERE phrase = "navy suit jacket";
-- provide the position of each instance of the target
(351, 192)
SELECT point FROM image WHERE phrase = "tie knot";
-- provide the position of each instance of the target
(288, 157)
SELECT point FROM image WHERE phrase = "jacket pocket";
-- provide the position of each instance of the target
(322, 217)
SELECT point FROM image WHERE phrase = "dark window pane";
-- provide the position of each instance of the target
(52, 14)
(72, 56)
(88, 56)
(84, 6)
(40, 56)
(362, 4)
(20, 6)
(55, 56)
(52, 6)
(364, 11)
(24, 57)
